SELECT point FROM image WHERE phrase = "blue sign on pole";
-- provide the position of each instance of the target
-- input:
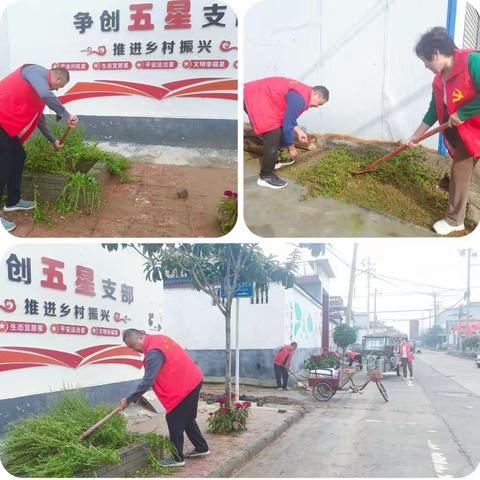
(243, 290)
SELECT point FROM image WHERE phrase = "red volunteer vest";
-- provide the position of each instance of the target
(178, 376)
(284, 353)
(460, 90)
(266, 103)
(21, 107)
(352, 355)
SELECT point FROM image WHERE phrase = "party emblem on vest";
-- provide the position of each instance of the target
(457, 95)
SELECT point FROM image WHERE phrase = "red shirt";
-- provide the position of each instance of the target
(266, 103)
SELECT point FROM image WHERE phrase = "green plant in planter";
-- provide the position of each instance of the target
(77, 156)
(228, 212)
(79, 187)
(48, 445)
(228, 419)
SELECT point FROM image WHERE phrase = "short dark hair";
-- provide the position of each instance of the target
(294, 344)
(436, 40)
(132, 332)
(323, 91)
(63, 72)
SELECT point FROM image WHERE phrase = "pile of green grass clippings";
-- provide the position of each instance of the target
(73, 160)
(48, 445)
(405, 186)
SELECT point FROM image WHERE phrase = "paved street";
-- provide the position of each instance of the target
(430, 428)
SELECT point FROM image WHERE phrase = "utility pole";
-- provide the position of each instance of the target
(368, 293)
(435, 309)
(375, 311)
(351, 286)
(469, 267)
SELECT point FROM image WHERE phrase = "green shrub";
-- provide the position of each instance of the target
(48, 445)
(74, 160)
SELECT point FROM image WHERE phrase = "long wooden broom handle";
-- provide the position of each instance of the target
(98, 424)
(400, 149)
(65, 135)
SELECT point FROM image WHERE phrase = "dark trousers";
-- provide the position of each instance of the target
(12, 159)
(281, 374)
(182, 419)
(272, 142)
(405, 363)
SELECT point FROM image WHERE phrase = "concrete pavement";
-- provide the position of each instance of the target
(461, 370)
(428, 429)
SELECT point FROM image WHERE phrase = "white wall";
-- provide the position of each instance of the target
(290, 315)
(121, 267)
(42, 35)
(303, 319)
(189, 315)
(362, 51)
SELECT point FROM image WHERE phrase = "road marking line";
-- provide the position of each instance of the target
(440, 463)
(375, 421)
(432, 431)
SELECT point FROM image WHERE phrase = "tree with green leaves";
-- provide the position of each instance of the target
(434, 336)
(472, 342)
(214, 268)
(344, 335)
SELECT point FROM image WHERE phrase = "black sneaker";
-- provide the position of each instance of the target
(278, 165)
(271, 181)
(195, 453)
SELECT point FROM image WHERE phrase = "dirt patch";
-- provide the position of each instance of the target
(412, 187)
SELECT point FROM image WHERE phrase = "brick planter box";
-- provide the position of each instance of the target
(132, 458)
(50, 186)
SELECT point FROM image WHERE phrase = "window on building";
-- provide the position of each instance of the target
(471, 36)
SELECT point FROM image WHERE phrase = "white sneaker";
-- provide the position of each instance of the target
(412, 378)
(443, 228)
(403, 378)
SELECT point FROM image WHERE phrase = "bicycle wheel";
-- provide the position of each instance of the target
(382, 390)
(323, 391)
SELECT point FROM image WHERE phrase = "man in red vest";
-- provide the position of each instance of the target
(176, 381)
(23, 96)
(273, 106)
(281, 364)
(456, 99)
(354, 357)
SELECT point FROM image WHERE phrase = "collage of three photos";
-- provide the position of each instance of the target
(217, 215)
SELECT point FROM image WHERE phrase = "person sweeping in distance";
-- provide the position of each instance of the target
(273, 106)
(176, 381)
(456, 99)
(281, 364)
(23, 97)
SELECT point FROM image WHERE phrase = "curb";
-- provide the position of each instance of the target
(237, 461)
